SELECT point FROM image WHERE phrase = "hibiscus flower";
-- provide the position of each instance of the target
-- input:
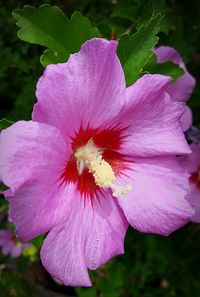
(9, 244)
(183, 87)
(95, 158)
(192, 164)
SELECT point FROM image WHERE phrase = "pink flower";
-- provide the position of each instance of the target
(193, 135)
(192, 164)
(96, 157)
(9, 243)
(186, 119)
(183, 87)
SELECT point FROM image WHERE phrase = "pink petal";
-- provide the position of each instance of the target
(7, 248)
(5, 236)
(88, 89)
(152, 119)
(186, 119)
(183, 87)
(87, 239)
(194, 198)
(157, 201)
(191, 162)
(16, 250)
(33, 156)
(166, 54)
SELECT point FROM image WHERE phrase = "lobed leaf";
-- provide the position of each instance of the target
(5, 124)
(128, 9)
(135, 51)
(49, 27)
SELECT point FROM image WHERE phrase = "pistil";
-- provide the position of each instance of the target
(91, 157)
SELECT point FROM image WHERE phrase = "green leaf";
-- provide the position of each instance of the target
(128, 9)
(49, 27)
(79, 30)
(52, 57)
(135, 51)
(168, 68)
(37, 241)
(5, 124)
(2, 188)
(86, 292)
(159, 6)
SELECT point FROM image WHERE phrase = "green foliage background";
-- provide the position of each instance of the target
(152, 265)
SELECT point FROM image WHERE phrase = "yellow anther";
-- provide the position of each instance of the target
(102, 171)
(90, 156)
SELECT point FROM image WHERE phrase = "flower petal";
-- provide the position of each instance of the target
(152, 119)
(186, 119)
(87, 239)
(194, 198)
(88, 89)
(16, 250)
(166, 54)
(33, 156)
(183, 87)
(191, 162)
(5, 236)
(157, 201)
(7, 248)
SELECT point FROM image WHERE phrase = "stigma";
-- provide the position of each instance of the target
(90, 156)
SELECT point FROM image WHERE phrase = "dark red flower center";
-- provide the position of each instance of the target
(14, 239)
(195, 178)
(109, 141)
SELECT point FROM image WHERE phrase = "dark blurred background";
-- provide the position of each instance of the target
(152, 266)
